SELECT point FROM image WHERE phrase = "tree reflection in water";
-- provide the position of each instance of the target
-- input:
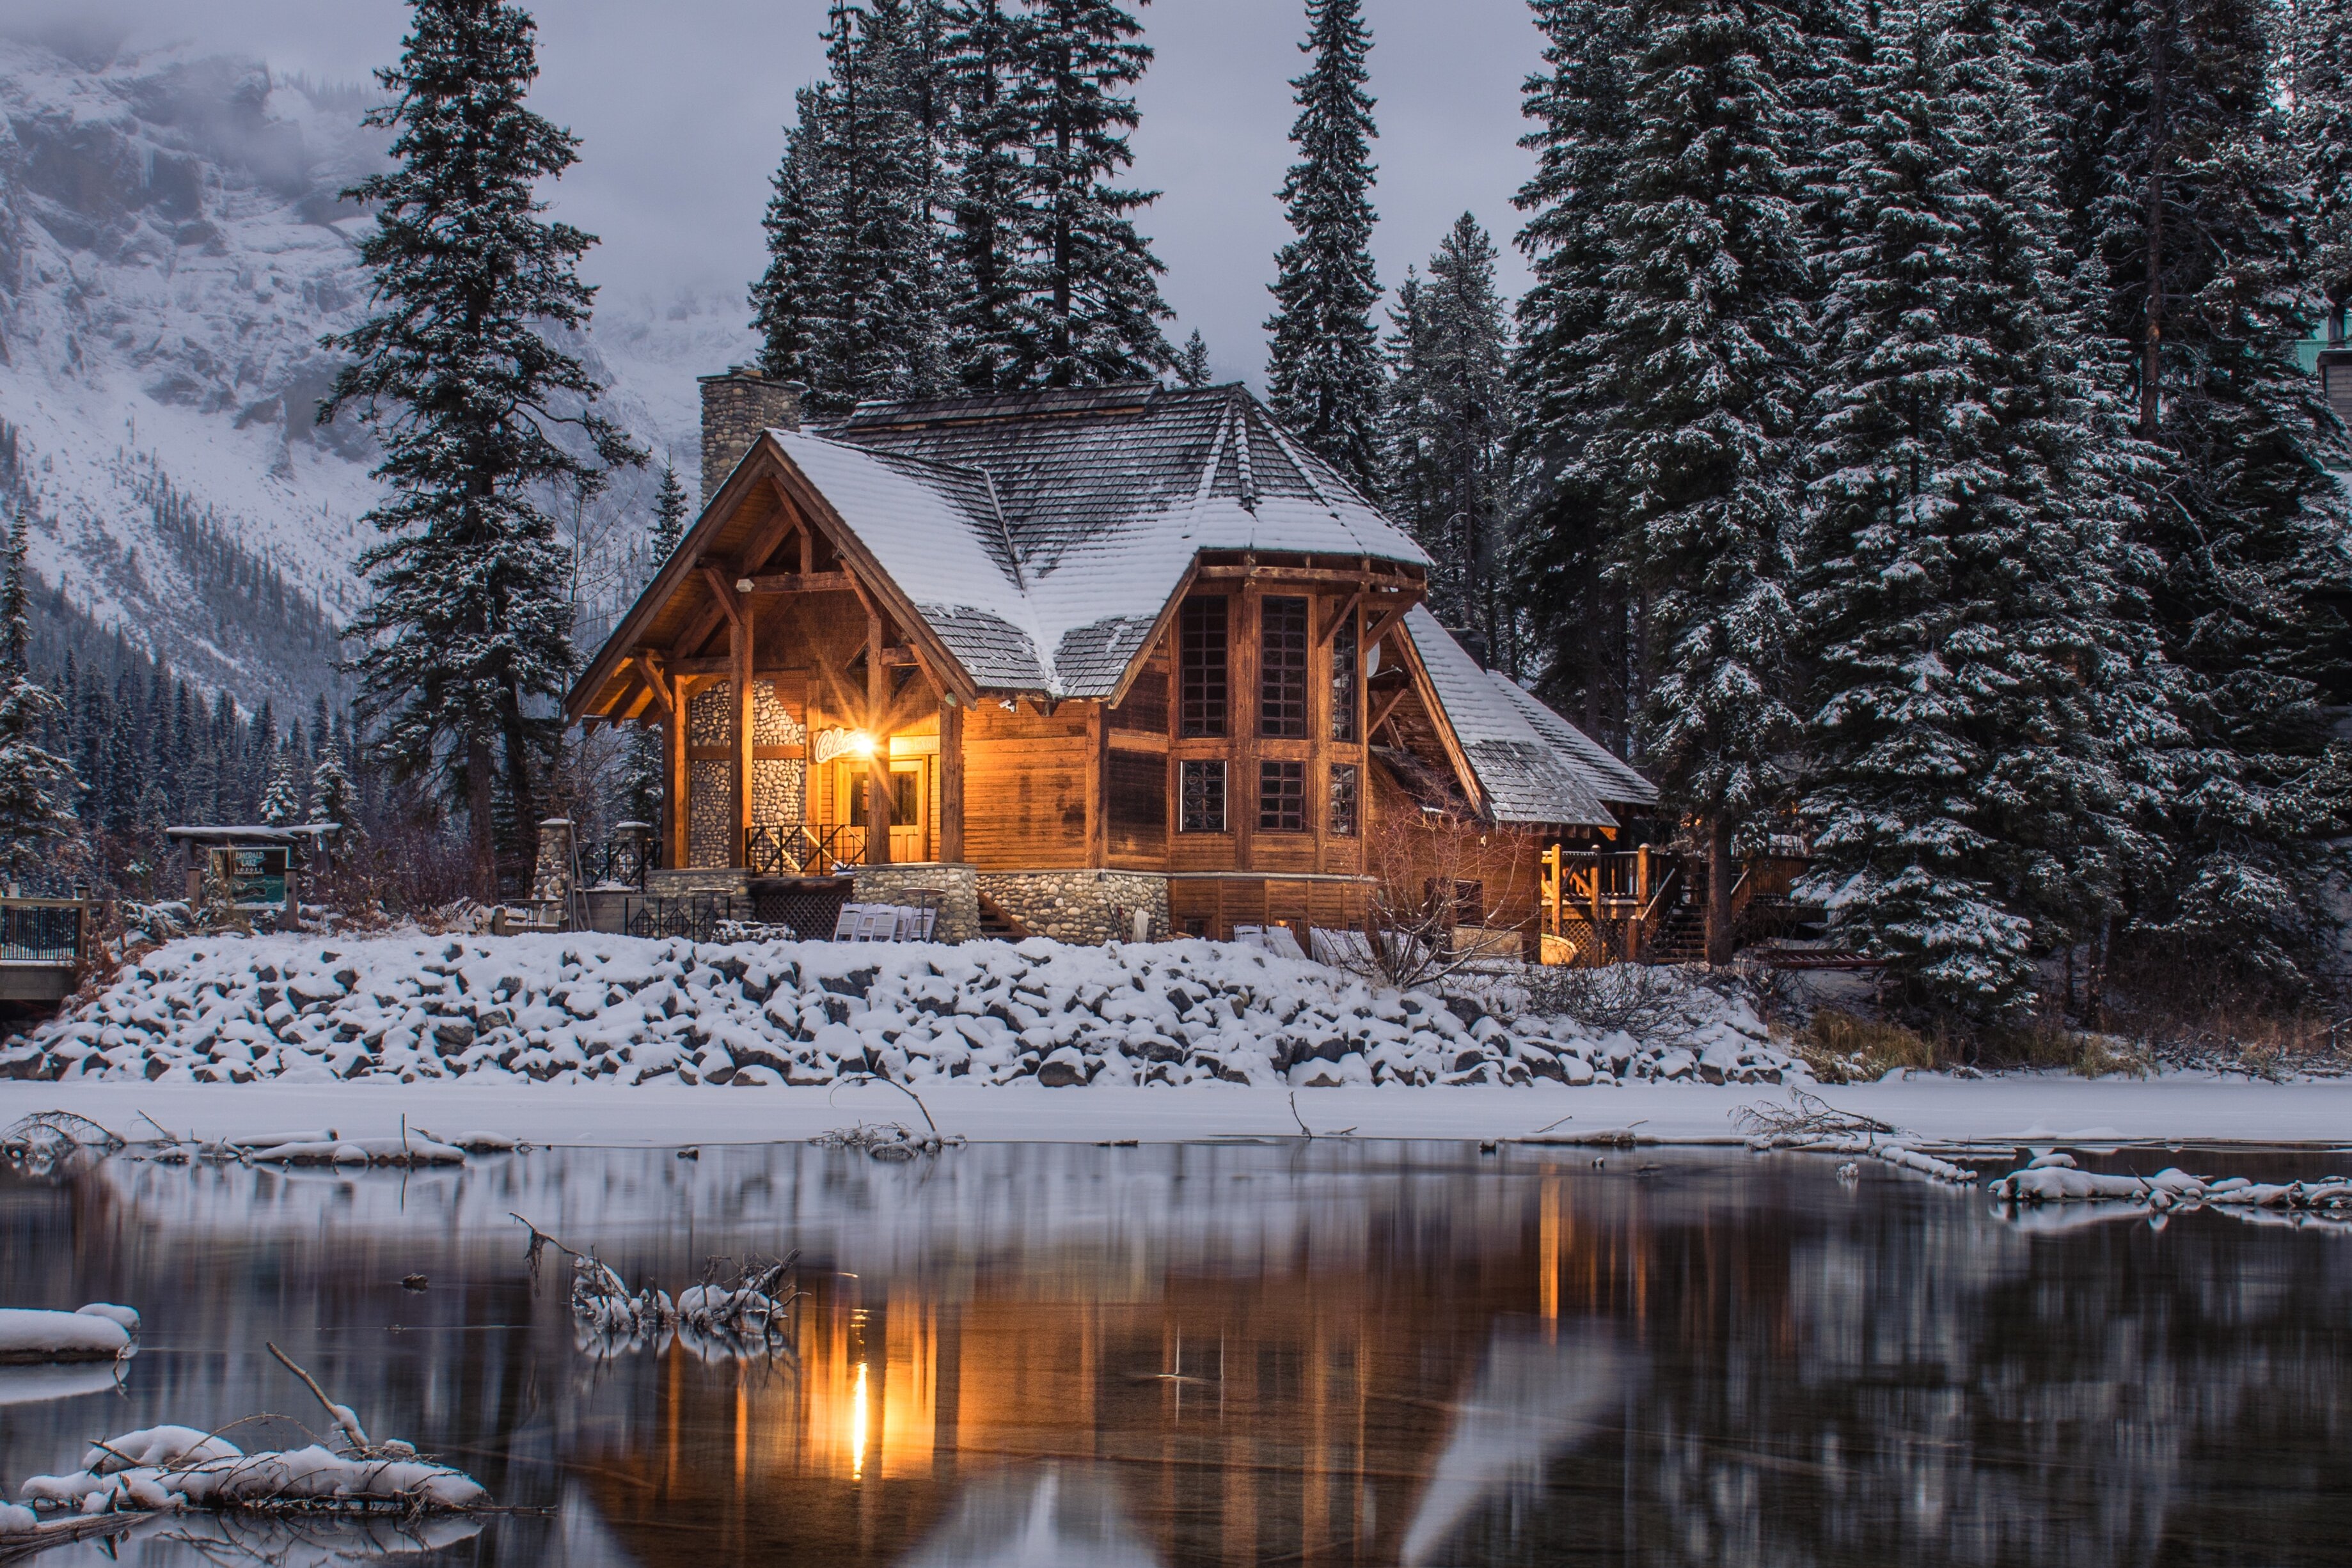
(1324, 1353)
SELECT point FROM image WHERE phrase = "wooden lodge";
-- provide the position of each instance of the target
(1090, 663)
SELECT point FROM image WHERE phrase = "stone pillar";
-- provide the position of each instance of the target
(550, 878)
(736, 407)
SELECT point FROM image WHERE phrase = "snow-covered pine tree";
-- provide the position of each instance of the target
(1323, 361)
(1089, 309)
(853, 301)
(2200, 224)
(282, 801)
(1193, 361)
(2322, 129)
(1959, 595)
(332, 799)
(1566, 563)
(1699, 377)
(981, 49)
(151, 842)
(468, 628)
(641, 762)
(36, 787)
(1450, 425)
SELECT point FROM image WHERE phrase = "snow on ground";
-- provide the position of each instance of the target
(96, 1333)
(612, 1040)
(587, 1008)
(2013, 1110)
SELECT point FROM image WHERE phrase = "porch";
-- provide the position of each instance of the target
(1648, 905)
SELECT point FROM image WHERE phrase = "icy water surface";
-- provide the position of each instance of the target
(1243, 1353)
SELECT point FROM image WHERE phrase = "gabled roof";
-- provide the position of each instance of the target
(1089, 505)
(1531, 765)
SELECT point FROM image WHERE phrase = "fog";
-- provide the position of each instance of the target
(681, 107)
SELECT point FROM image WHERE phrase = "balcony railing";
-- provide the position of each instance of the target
(44, 930)
(803, 848)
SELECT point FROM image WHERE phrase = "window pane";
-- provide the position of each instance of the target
(1282, 668)
(1201, 653)
(1282, 797)
(1343, 680)
(1205, 797)
(1342, 815)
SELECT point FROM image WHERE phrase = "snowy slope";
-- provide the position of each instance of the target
(171, 248)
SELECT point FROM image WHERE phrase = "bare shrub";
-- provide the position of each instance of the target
(1436, 869)
(1638, 998)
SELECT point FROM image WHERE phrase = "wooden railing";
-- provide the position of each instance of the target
(46, 930)
(803, 848)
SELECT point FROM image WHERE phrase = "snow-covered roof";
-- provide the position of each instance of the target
(1041, 534)
(1529, 772)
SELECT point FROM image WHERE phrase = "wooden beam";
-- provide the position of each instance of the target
(802, 583)
(1280, 576)
(1390, 619)
(878, 768)
(1097, 786)
(650, 662)
(899, 658)
(1241, 722)
(950, 780)
(739, 632)
(722, 592)
(1386, 708)
(1339, 619)
(673, 773)
(716, 664)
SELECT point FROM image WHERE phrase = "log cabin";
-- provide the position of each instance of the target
(1084, 663)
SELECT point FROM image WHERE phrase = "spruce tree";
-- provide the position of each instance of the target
(466, 635)
(2200, 226)
(853, 301)
(642, 763)
(332, 799)
(1972, 680)
(281, 799)
(36, 787)
(1569, 564)
(1450, 423)
(1323, 362)
(1699, 377)
(985, 42)
(1192, 362)
(2322, 128)
(1089, 307)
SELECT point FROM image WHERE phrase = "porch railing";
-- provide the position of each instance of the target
(45, 930)
(803, 848)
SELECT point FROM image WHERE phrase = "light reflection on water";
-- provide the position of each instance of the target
(1237, 1353)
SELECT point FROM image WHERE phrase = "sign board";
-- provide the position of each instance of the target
(254, 876)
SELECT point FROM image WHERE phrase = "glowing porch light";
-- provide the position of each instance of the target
(861, 744)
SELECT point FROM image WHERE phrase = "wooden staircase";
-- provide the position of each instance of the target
(1680, 938)
(997, 923)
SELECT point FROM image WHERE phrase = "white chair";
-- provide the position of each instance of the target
(1340, 949)
(1281, 941)
(844, 924)
(1250, 936)
(915, 924)
(875, 922)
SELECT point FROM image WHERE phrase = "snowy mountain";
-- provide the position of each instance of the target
(171, 248)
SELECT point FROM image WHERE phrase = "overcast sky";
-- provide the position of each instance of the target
(681, 103)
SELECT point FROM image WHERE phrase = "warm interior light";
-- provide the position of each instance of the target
(861, 744)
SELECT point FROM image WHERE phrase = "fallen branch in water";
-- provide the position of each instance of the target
(1309, 1131)
(1805, 1117)
(888, 1140)
(345, 1417)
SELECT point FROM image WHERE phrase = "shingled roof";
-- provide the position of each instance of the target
(1087, 507)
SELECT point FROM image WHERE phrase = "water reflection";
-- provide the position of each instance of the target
(1323, 1353)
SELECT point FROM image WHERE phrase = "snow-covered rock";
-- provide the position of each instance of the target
(585, 1006)
(26, 1334)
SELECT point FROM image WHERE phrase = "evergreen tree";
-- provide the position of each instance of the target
(642, 762)
(2322, 128)
(1699, 375)
(151, 842)
(2198, 225)
(985, 41)
(1450, 423)
(1569, 564)
(36, 787)
(469, 627)
(1323, 364)
(853, 301)
(332, 799)
(1972, 678)
(1193, 361)
(1089, 309)
(281, 799)
(669, 520)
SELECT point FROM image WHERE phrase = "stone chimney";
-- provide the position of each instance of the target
(736, 407)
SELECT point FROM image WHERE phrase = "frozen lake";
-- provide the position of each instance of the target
(1237, 1353)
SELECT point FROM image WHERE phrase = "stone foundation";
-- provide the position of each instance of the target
(1081, 906)
(957, 886)
(678, 883)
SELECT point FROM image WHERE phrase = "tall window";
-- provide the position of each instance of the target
(1341, 814)
(1343, 680)
(1203, 785)
(1201, 653)
(1282, 668)
(1282, 797)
